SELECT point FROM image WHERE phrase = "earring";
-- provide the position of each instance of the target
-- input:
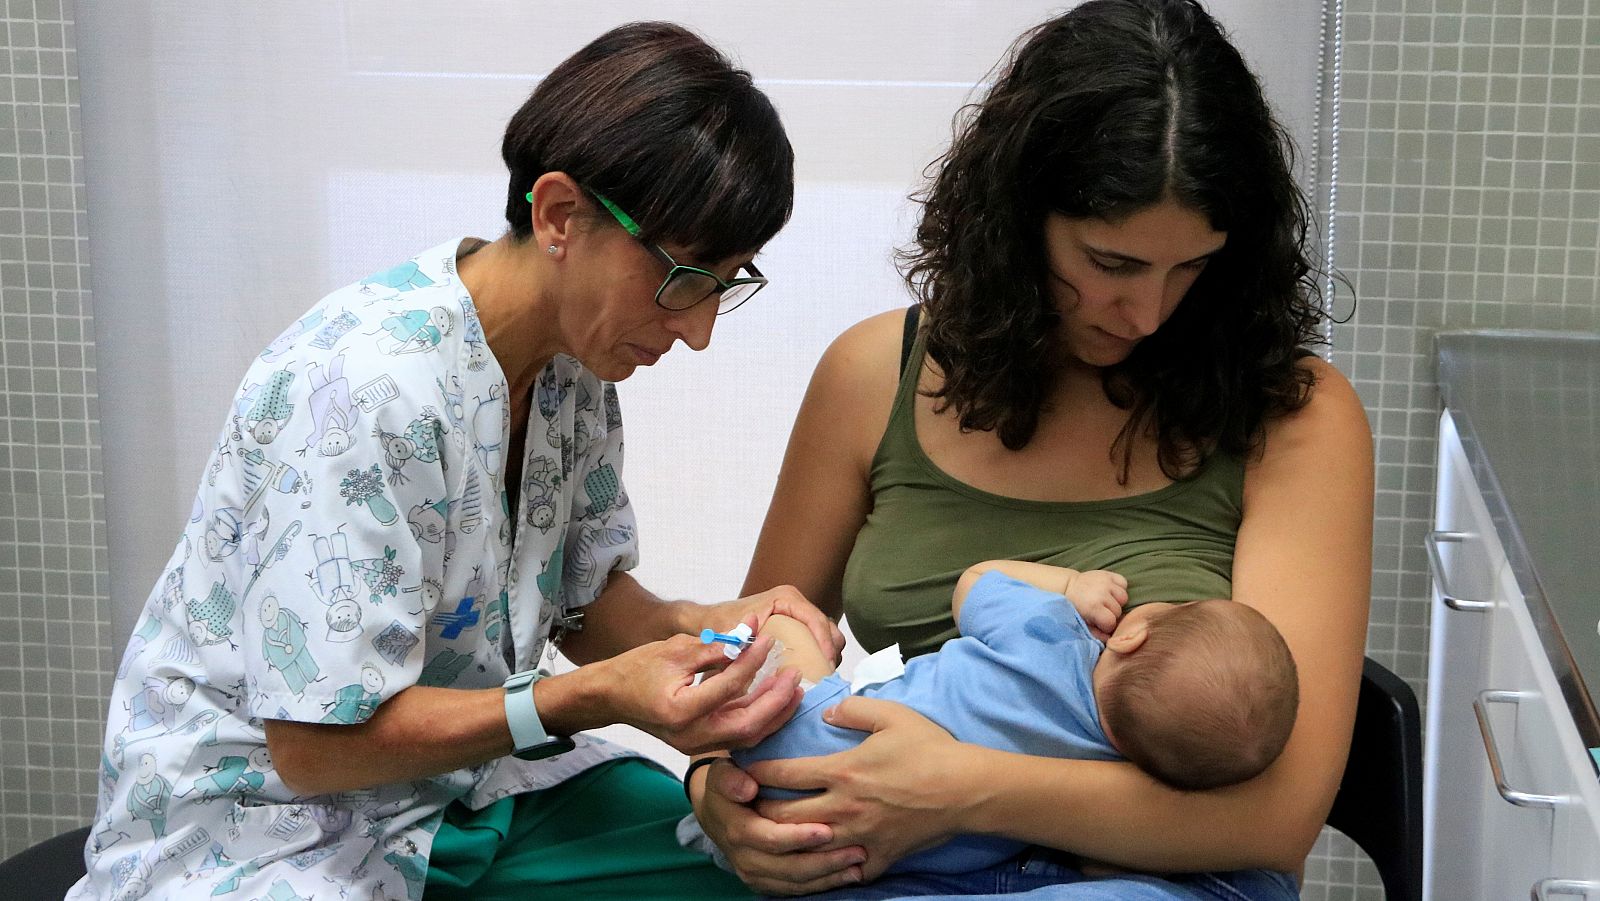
(551, 250)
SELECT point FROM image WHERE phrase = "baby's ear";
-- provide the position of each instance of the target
(1128, 638)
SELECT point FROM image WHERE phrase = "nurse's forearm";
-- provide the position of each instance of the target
(625, 616)
(421, 732)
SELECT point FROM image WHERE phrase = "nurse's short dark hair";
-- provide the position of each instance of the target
(666, 127)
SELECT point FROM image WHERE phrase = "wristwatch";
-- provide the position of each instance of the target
(529, 740)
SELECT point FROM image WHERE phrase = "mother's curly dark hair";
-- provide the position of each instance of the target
(1101, 112)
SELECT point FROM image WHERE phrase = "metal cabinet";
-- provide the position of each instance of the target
(1511, 799)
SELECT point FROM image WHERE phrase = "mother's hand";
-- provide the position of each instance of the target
(901, 790)
(772, 858)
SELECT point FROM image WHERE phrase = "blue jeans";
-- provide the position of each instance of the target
(1039, 875)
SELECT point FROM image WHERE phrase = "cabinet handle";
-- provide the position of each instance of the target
(1544, 888)
(1519, 798)
(1436, 563)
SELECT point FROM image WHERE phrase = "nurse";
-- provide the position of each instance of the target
(460, 531)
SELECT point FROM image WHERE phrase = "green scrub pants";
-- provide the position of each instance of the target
(608, 833)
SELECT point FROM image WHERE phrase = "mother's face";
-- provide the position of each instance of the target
(1116, 281)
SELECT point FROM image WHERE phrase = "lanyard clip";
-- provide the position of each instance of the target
(566, 621)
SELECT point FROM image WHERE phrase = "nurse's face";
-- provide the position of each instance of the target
(625, 328)
(1116, 281)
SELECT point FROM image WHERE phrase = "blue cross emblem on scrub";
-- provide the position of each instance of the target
(462, 619)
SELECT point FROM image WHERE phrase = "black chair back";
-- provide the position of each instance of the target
(1379, 805)
(46, 870)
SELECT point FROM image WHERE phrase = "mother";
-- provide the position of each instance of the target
(1112, 374)
(420, 488)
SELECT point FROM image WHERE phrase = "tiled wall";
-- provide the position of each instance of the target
(1469, 198)
(54, 641)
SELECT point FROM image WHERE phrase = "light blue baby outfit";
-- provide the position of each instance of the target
(351, 537)
(1020, 678)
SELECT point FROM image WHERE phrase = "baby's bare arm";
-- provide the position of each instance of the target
(1039, 575)
(800, 648)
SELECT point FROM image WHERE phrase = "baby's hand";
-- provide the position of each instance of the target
(1099, 595)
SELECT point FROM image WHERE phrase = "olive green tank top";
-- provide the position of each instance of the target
(925, 528)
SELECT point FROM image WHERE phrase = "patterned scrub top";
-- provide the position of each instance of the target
(352, 537)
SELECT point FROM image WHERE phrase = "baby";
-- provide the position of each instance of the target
(1199, 695)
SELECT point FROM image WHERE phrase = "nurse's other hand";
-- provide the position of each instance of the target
(772, 858)
(652, 688)
(755, 609)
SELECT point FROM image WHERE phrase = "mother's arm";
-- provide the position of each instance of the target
(1303, 559)
(821, 500)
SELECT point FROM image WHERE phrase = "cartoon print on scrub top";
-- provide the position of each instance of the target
(283, 644)
(455, 410)
(271, 409)
(141, 639)
(159, 704)
(365, 487)
(335, 329)
(540, 492)
(386, 506)
(613, 408)
(477, 346)
(354, 703)
(427, 520)
(151, 792)
(551, 394)
(228, 530)
(491, 419)
(278, 551)
(281, 344)
(604, 489)
(172, 580)
(420, 442)
(129, 737)
(333, 413)
(404, 277)
(211, 620)
(232, 773)
(414, 331)
(592, 546)
(413, 867)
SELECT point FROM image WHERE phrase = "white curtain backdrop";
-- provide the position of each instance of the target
(245, 159)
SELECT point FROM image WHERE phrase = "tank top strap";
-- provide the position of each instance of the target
(901, 428)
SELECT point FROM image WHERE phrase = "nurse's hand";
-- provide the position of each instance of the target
(754, 610)
(901, 790)
(772, 858)
(652, 688)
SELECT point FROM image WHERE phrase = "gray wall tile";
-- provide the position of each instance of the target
(55, 658)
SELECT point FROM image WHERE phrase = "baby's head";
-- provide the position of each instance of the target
(1198, 695)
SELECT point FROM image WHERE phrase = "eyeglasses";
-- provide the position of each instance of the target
(686, 286)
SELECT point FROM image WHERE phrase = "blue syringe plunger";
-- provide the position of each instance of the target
(707, 636)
